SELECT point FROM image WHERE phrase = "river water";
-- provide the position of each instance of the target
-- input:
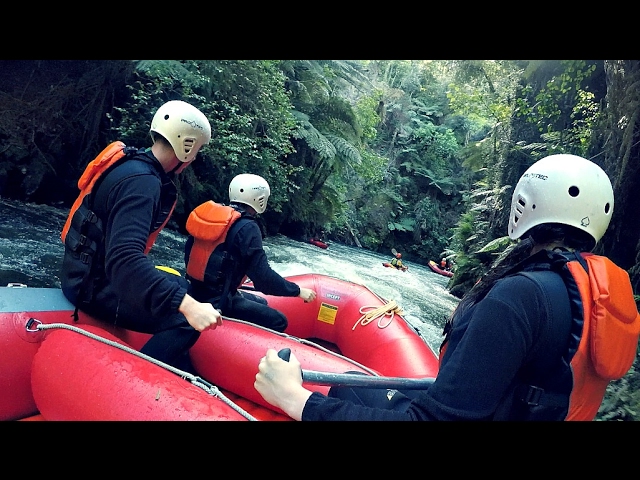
(31, 253)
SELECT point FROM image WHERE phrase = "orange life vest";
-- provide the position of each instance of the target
(83, 231)
(610, 333)
(607, 345)
(112, 154)
(210, 253)
(208, 224)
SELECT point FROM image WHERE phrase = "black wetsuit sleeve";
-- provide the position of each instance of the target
(487, 348)
(264, 278)
(131, 206)
(322, 408)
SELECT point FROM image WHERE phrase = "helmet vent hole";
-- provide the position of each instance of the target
(533, 207)
(574, 191)
(166, 117)
(607, 207)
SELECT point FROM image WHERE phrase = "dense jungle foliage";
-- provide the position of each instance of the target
(420, 156)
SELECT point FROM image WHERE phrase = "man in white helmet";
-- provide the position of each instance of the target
(225, 247)
(539, 338)
(127, 196)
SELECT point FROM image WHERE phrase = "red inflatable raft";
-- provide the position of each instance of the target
(55, 369)
(434, 266)
(317, 243)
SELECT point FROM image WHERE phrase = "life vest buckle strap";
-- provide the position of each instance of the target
(532, 396)
(85, 258)
(91, 217)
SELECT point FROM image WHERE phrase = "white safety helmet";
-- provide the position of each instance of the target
(564, 189)
(252, 190)
(184, 126)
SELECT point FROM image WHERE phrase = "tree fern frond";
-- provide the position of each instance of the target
(310, 134)
(404, 225)
(535, 146)
(497, 244)
(301, 117)
(350, 72)
(316, 141)
(338, 115)
(349, 152)
(157, 68)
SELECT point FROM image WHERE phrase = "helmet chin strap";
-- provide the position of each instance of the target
(178, 168)
(173, 171)
(245, 208)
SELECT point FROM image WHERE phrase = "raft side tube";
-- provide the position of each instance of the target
(77, 378)
(229, 356)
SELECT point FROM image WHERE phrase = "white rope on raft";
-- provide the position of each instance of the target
(389, 309)
(194, 379)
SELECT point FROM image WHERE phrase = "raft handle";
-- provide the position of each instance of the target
(30, 322)
(285, 354)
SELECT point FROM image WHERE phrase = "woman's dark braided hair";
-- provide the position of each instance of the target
(571, 237)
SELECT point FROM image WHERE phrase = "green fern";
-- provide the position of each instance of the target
(313, 138)
(167, 68)
(497, 244)
(404, 225)
(348, 152)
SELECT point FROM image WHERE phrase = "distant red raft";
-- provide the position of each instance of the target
(434, 266)
(317, 243)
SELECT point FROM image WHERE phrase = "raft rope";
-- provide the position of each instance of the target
(195, 380)
(389, 309)
(198, 381)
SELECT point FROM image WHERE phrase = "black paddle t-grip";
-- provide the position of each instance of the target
(284, 354)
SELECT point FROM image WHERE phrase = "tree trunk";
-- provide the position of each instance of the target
(353, 234)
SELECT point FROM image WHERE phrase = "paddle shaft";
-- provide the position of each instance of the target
(368, 381)
(358, 380)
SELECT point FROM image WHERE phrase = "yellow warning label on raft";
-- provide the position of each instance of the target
(327, 313)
